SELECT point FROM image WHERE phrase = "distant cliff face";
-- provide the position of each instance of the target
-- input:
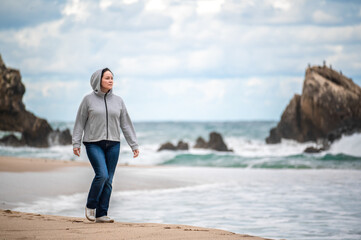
(14, 117)
(11, 90)
(330, 105)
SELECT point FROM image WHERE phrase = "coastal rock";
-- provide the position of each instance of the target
(14, 117)
(313, 150)
(330, 106)
(182, 145)
(215, 142)
(200, 143)
(169, 146)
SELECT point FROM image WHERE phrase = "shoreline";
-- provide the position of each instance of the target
(31, 225)
(24, 173)
(21, 164)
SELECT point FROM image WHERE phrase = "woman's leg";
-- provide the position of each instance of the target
(111, 157)
(97, 159)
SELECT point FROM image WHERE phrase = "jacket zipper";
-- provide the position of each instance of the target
(106, 112)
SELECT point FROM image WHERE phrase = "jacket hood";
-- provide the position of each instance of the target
(95, 83)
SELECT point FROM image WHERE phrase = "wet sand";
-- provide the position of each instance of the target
(26, 179)
(18, 225)
(15, 164)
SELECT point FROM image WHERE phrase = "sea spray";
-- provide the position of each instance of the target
(348, 145)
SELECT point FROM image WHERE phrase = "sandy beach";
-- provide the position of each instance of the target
(16, 225)
(16, 164)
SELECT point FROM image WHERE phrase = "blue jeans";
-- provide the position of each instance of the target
(103, 156)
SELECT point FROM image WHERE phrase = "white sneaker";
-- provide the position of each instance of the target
(90, 214)
(104, 219)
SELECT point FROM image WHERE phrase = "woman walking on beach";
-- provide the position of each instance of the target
(100, 116)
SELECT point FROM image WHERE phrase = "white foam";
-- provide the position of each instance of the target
(243, 147)
(350, 145)
(257, 148)
(66, 205)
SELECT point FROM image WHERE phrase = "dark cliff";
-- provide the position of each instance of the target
(14, 116)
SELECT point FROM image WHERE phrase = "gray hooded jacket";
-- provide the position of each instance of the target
(101, 116)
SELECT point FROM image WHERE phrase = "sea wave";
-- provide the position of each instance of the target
(343, 154)
(299, 161)
(245, 138)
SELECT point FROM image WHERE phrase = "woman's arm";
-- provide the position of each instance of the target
(128, 130)
(81, 119)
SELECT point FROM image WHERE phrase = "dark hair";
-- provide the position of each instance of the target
(104, 70)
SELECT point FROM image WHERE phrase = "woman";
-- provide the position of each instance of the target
(100, 116)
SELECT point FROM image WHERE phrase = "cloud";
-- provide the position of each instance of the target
(283, 5)
(39, 89)
(322, 17)
(155, 5)
(22, 13)
(209, 7)
(162, 52)
(173, 39)
(204, 59)
(254, 82)
(204, 91)
(155, 65)
(54, 99)
(218, 99)
(77, 8)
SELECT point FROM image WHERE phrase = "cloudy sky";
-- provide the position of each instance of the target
(177, 59)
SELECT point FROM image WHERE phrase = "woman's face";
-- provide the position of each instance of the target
(107, 81)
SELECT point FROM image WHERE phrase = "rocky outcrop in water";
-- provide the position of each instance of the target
(215, 143)
(169, 146)
(330, 106)
(201, 143)
(14, 116)
(314, 150)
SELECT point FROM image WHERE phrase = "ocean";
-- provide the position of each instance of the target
(273, 191)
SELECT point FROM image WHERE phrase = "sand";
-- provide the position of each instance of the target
(15, 225)
(18, 225)
(20, 164)
(15, 164)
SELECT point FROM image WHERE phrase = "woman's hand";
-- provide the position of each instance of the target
(136, 153)
(76, 151)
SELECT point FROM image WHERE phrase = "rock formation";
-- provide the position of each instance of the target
(169, 146)
(14, 117)
(182, 145)
(314, 150)
(215, 142)
(200, 143)
(330, 105)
